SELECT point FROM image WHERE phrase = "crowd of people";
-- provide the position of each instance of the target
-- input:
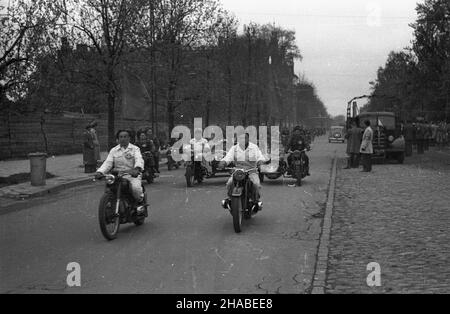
(422, 134)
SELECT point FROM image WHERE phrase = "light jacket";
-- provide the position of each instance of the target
(123, 159)
(367, 142)
(244, 159)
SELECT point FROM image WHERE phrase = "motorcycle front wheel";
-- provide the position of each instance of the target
(236, 212)
(150, 178)
(190, 177)
(109, 224)
(299, 174)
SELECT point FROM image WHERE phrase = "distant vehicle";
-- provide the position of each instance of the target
(337, 134)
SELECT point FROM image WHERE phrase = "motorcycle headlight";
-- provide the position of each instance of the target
(110, 180)
(297, 154)
(239, 175)
(391, 138)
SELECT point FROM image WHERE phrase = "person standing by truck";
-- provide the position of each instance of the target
(367, 147)
(354, 138)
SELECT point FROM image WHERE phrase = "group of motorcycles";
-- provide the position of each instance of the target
(118, 206)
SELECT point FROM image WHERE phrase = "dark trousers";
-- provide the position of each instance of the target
(426, 145)
(156, 158)
(420, 147)
(367, 162)
(409, 148)
(355, 160)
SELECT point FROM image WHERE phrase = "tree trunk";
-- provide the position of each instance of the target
(230, 99)
(171, 107)
(111, 120)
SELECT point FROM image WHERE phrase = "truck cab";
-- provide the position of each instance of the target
(388, 142)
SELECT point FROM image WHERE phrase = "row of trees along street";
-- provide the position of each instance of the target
(73, 55)
(415, 82)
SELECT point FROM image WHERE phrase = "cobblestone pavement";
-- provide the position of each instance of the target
(398, 217)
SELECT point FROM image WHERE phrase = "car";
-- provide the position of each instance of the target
(337, 134)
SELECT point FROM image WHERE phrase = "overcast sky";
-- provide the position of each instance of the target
(343, 43)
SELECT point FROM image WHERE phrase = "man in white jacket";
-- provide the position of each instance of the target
(367, 148)
(126, 158)
(247, 157)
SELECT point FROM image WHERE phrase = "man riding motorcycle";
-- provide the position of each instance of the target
(201, 145)
(247, 157)
(126, 158)
(298, 142)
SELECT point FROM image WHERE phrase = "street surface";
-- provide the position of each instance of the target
(187, 245)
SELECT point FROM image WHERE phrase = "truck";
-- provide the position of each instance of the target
(388, 142)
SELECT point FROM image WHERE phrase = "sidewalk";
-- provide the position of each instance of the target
(397, 217)
(68, 169)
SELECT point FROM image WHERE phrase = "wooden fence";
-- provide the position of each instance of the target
(54, 134)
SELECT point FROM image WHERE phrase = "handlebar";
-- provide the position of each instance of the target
(246, 171)
(301, 151)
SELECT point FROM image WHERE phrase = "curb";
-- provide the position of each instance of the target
(319, 279)
(18, 202)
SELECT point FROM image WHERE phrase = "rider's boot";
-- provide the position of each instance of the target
(258, 206)
(226, 204)
(141, 208)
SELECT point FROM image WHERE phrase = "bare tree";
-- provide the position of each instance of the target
(106, 25)
(25, 32)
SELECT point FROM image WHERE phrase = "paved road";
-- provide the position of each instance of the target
(187, 246)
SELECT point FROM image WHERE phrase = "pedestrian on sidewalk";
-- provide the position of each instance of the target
(157, 146)
(408, 133)
(367, 147)
(420, 138)
(354, 139)
(96, 143)
(427, 131)
(441, 135)
(89, 160)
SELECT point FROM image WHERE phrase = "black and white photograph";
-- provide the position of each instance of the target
(224, 152)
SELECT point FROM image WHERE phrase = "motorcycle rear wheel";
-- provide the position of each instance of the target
(236, 212)
(106, 219)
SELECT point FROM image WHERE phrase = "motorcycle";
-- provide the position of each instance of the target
(149, 173)
(298, 165)
(171, 164)
(196, 171)
(118, 206)
(273, 172)
(242, 205)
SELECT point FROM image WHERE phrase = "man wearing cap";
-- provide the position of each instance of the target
(126, 158)
(298, 142)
